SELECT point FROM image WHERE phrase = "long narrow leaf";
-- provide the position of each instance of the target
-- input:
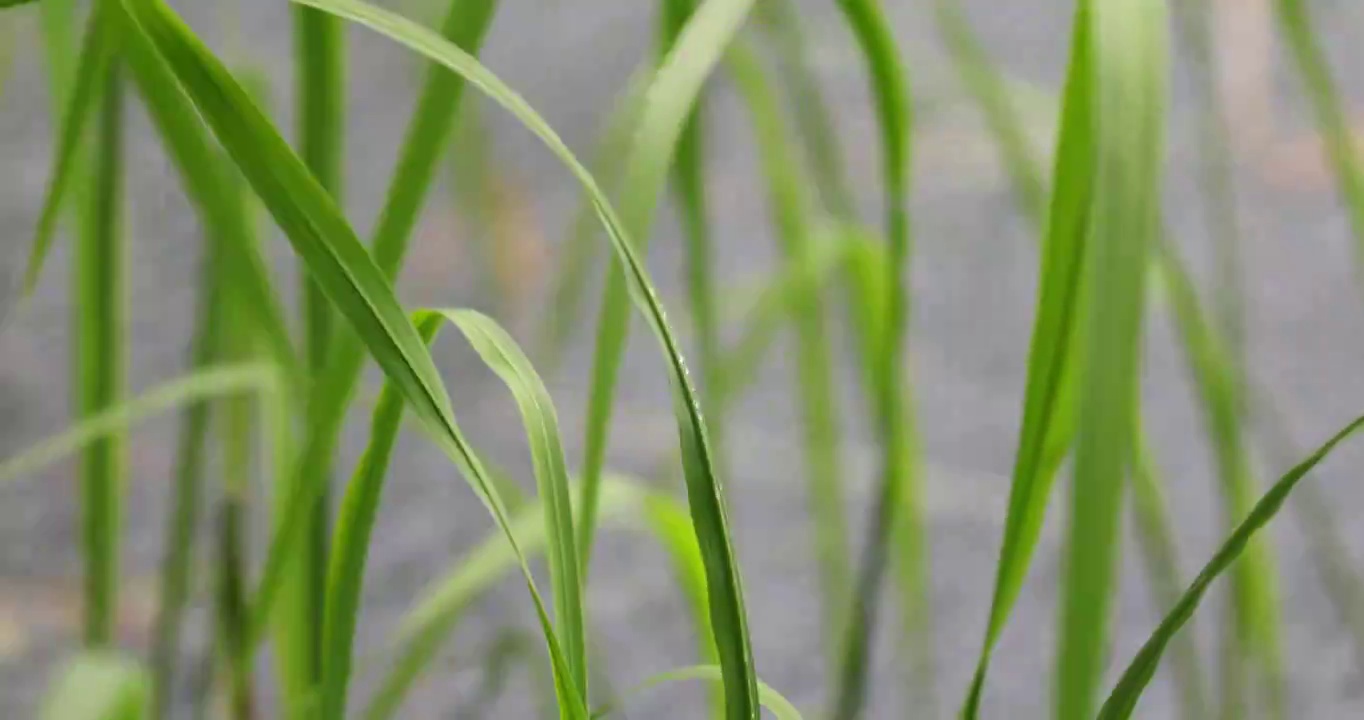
(436, 616)
(319, 53)
(77, 106)
(895, 497)
(1129, 73)
(259, 378)
(780, 707)
(814, 386)
(668, 100)
(362, 500)
(1049, 392)
(689, 174)
(1123, 700)
(100, 360)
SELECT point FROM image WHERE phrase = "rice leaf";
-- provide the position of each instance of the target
(776, 299)
(255, 377)
(1164, 576)
(1129, 74)
(437, 614)
(210, 185)
(1123, 699)
(319, 52)
(99, 361)
(1254, 611)
(77, 106)
(340, 265)
(666, 105)
(361, 503)
(813, 121)
(1048, 413)
(1341, 149)
(814, 385)
(890, 94)
(579, 256)
(779, 706)
(668, 100)
(184, 508)
(987, 88)
(98, 686)
(689, 174)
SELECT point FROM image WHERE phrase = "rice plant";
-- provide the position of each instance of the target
(293, 537)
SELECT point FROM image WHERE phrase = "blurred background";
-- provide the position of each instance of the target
(491, 238)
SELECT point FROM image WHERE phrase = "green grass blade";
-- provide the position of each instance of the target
(780, 707)
(689, 173)
(1330, 553)
(319, 53)
(814, 385)
(362, 498)
(667, 104)
(1341, 150)
(1129, 75)
(320, 93)
(357, 287)
(98, 686)
(987, 88)
(502, 355)
(186, 496)
(1048, 415)
(100, 362)
(1162, 568)
(210, 184)
(76, 108)
(13, 3)
(774, 305)
(890, 94)
(813, 120)
(258, 378)
(668, 101)
(466, 23)
(1255, 612)
(580, 254)
(436, 616)
(1123, 700)
(328, 245)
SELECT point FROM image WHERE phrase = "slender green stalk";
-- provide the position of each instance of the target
(865, 300)
(1319, 522)
(582, 247)
(1139, 672)
(1128, 72)
(186, 497)
(321, 93)
(1164, 576)
(1342, 151)
(465, 24)
(689, 172)
(662, 120)
(101, 317)
(1254, 601)
(986, 86)
(813, 121)
(788, 207)
(896, 501)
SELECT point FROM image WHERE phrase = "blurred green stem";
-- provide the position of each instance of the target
(100, 362)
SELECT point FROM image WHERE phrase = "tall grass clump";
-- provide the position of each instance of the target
(264, 400)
